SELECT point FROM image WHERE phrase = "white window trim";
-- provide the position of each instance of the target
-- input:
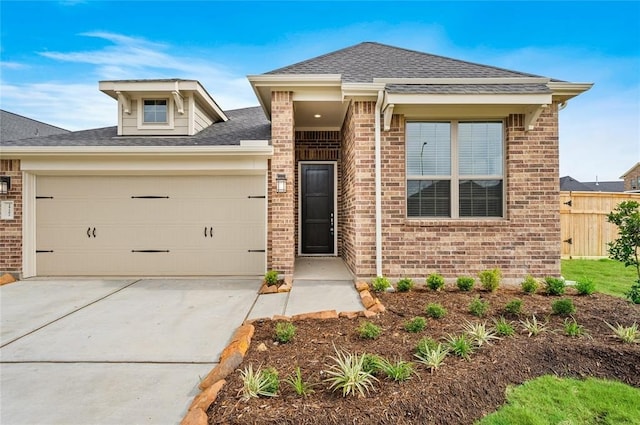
(169, 125)
(455, 178)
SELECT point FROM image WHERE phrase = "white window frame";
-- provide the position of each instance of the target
(142, 125)
(455, 177)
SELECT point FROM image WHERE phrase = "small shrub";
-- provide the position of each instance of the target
(380, 284)
(514, 307)
(398, 370)
(271, 278)
(503, 327)
(479, 333)
(554, 286)
(284, 332)
(534, 327)
(368, 330)
(415, 325)
(634, 293)
(572, 328)
(435, 282)
(460, 345)
(432, 356)
(529, 285)
(563, 307)
(465, 283)
(627, 334)
(585, 286)
(435, 310)
(348, 375)
(259, 383)
(425, 345)
(372, 363)
(404, 284)
(298, 385)
(490, 279)
(479, 308)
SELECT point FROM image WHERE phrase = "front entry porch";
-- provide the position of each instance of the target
(321, 268)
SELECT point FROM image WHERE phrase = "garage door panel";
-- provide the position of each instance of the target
(208, 225)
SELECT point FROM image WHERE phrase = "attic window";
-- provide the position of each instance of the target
(155, 111)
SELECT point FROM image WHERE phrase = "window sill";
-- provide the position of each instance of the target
(461, 222)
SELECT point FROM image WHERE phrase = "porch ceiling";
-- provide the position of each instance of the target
(319, 115)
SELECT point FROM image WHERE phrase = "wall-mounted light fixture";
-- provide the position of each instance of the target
(5, 184)
(281, 183)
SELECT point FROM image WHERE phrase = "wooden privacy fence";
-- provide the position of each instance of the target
(583, 222)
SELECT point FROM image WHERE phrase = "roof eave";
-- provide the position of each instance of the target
(564, 91)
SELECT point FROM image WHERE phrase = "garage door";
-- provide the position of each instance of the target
(162, 225)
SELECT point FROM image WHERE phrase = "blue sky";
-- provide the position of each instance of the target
(53, 53)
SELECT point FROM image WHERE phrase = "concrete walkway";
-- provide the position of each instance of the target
(129, 351)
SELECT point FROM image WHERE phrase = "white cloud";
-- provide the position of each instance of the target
(13, 65)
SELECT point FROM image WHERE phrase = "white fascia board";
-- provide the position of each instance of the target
(466, 81)
(207, 100)
(368, 90)
(630, 170)
(566, 90)
(123, 151)
(317, 95)
(295, 80)
(469, 99)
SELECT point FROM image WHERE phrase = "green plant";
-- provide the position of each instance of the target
(490, 279)
(585, 286)
(465, 283)
(259, 383)
(514, 307)
(435, 282)
(348, 375)
(460, 345)
(626, 216)
(435, 310)
(380, 284)
(479, 333)
(533, 326)
(529, 285)
(628, 334)
(404, 284)
(298, 385)
(554, 286)
(563, 307)
(503, 327)
(284, 332)
(432, 355)
(426, 344)
(417, 324)
(479, 308)
(271, 278)
(371, 363)
(572, 328)
(611, 277)
(368, 330)
(398, 370)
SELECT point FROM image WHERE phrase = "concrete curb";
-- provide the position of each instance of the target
(233, 355)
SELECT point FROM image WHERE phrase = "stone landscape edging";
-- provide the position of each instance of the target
(234, 353)
(275, 289)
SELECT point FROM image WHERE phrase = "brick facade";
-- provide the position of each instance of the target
(527, 241)
(632, 179)
(281, 209)
(11, 230)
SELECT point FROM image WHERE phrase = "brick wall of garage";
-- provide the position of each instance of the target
(527, 241)
(11, 230)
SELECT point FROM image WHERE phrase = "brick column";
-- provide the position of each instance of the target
(282, 205)
(11, 230)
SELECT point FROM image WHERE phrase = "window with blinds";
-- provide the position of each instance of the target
(455, 169)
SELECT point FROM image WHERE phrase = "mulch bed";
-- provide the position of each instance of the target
(458, 392)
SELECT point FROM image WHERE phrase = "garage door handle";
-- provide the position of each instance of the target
(94, 232)
(211, 231)
(89, 232)
(210, 235)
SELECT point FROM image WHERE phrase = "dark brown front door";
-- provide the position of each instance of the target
(317, 208)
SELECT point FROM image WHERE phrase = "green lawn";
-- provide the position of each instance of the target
(611, 277)
(551, 400)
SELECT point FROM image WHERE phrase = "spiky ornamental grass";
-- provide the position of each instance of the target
(259, 383)
(627, 334)
(534, 327)
(480, 334)
(296, 382)
(397, 370)
(503, 327)
(432, 356)
(460, 345)
(347, 374)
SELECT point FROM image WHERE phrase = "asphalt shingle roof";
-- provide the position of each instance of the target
(568, 183)
(243, 124)
(467, 88)
(365, 61)
(14, 126)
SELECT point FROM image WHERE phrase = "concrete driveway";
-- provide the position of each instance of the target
(112, 351)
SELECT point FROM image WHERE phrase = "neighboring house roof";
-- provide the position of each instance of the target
(14, 127)
(630, 170)
(568, 183)
(243, 124)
